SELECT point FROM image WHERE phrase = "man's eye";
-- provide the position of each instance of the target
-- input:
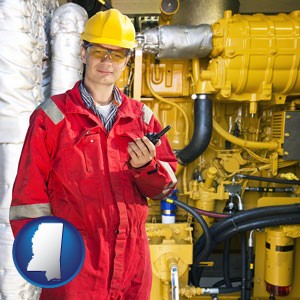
(118, 55)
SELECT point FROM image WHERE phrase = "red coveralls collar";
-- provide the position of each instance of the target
(75, 104)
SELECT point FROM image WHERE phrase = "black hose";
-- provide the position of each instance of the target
(267, 179)
(226, 263)
(202, 130)
(262, 222)
(244, 265)
(270, 189)
(210, 214)
(250, 271)
(255, 213)
(222, 282)
(202, 251)
(246, 216)
(200, 219)
(259, 223)
(229, 290)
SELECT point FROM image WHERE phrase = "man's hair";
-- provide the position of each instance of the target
(84, 44)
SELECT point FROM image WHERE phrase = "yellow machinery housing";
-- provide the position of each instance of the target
(247, 171)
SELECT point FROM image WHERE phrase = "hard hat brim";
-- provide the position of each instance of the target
(105, 41)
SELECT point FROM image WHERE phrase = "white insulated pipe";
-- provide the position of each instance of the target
(67, 24)
(23, 40)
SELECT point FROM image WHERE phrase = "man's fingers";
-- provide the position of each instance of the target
(150, 145)
(141, 152)
(144, 145)
(134, 149)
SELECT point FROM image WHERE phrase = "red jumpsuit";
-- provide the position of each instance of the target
(72, 168)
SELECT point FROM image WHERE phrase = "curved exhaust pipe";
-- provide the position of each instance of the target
(202, 130)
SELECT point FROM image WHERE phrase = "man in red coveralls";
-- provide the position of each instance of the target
(86, 159)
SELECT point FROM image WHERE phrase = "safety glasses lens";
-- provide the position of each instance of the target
(101, 53)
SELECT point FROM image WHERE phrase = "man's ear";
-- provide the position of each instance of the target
(83, 54)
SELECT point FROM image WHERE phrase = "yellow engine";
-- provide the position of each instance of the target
(231, 92)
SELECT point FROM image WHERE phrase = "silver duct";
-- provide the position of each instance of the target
(67, 24)
(175, 41)
(46, 64)
(22, 34)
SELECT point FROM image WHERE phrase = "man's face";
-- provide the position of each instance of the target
(104, 63)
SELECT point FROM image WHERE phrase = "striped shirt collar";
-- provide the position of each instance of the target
(88, 98)
(90, 104)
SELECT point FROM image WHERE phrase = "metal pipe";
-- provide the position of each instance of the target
(174, 280)
(243, 143)
(267, 179)
(138, 65)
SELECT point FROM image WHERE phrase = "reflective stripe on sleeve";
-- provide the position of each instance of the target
(147, 114)
(19, 212)
(169, 170)
(52, 111)
(165, 192)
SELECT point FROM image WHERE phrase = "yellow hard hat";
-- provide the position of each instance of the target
(110, 27)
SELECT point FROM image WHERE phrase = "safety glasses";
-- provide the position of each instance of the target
(101, 53)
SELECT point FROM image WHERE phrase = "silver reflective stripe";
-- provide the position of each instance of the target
(165, 192)
(52, 111)
(169, 170)
(172, 176)
(147, 114)
(29, 211)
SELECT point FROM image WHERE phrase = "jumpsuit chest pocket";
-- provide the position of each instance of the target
(92, 151)
(85, 157)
